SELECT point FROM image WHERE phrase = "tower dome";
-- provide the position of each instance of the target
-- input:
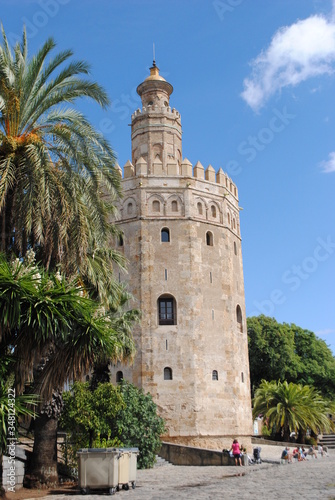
(155, 90)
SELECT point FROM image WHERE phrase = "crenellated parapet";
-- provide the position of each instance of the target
(173, 169)
(155, 109)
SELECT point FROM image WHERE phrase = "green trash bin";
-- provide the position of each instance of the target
(98, 468)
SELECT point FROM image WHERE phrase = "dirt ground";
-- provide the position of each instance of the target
(25, 494)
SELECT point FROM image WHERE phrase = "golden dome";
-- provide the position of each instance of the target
(154, 74)
(154, 82)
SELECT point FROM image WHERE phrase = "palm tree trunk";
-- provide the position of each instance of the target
(43, 465)
(3, 230)
(302, 436)
(286, 434)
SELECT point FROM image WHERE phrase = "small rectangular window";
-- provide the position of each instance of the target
(166, 274)
(212, 313)
(210, 277)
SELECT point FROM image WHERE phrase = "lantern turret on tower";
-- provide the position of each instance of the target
(156, 129)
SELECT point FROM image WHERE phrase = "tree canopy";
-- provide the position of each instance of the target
(287, 407)
(287, 352)
(104, 415)
(47, 318)
(138, 424)
(55, 168)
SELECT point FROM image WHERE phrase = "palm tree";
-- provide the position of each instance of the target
(47, 318)
(56, 170)
(288, 407)
(57, 188)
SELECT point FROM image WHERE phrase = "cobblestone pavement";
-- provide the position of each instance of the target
(313, 479)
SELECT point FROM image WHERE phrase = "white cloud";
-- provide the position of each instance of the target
(328, 166)
(297, 52)
(327, 331)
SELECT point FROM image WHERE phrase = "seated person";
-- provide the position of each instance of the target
(296, 454)
(312, 452)
(286, 455)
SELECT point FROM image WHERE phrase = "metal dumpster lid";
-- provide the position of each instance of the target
(133, 450)
(98, 450)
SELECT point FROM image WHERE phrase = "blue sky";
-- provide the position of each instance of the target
(254, 82)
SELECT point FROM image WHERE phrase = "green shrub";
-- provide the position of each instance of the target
(110, 417)
(88, 419)
(138, 424)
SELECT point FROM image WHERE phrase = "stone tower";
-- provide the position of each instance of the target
(181, 236)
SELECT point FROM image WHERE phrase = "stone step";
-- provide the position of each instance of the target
(161, 462)
(328, 440)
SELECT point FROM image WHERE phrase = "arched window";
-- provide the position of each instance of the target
(199, 205)
(209, 238)
(156, 206)
(165, 235)
(174, 206)
(228, 215)
(167, 373)
(167, 310)
(242, 377)
(239, 318)
(234, 223)
(129, 208)
(213, 211)
(235, 248)
(215, 375)
(119, 377)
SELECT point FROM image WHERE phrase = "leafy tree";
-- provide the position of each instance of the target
(288, 407)
(288, 352)
(271, 351)
(139, 425)
(317, 363)
(108, 415)
(89, 416)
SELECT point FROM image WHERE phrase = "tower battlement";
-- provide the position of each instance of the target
(166, 110)
(185, 169)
